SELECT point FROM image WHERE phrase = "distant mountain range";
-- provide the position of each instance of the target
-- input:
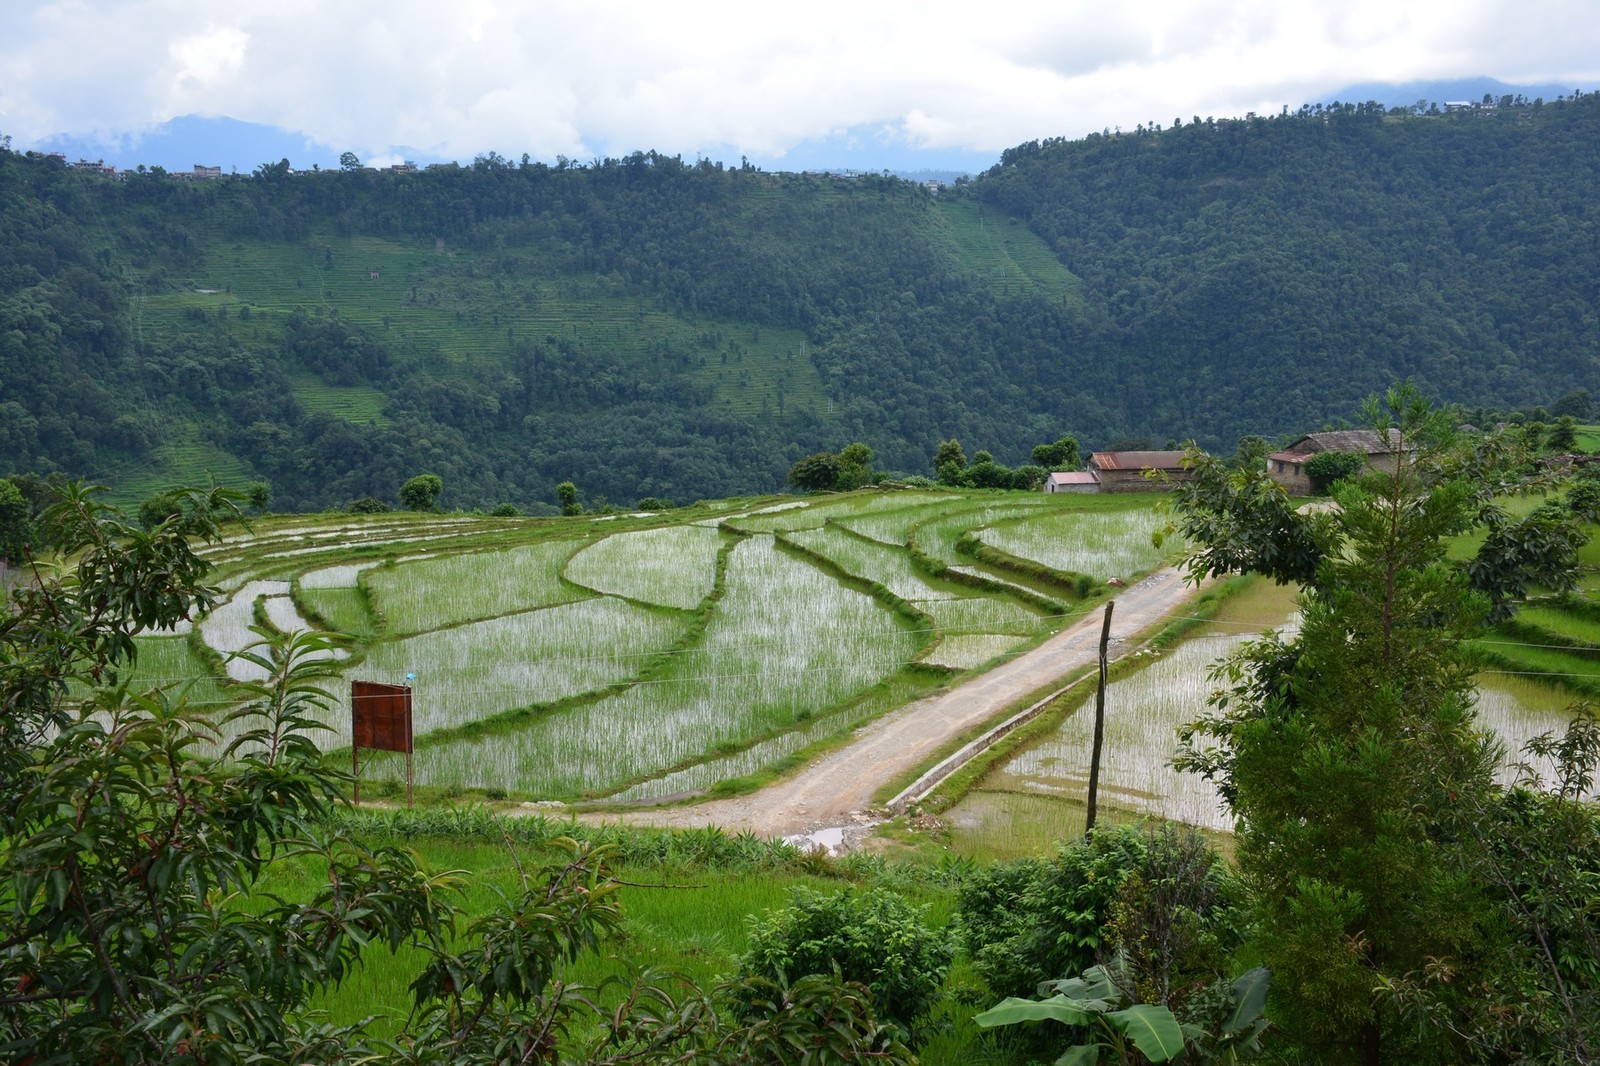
(1404, 94)
(240, 147)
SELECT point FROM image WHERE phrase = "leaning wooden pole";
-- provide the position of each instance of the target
(1099, 723)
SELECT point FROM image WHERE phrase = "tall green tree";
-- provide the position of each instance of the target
(949, 462)
(1347, 751)
(567, 494)
(855, 466)
(16, 526)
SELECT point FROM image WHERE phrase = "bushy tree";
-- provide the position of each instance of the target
(1564, 435)
(421, 493)
(949, 462)
(1062, 455)
(818, 472)
(874, 937)
(159, 507)
(16, 524)
(1325, 468)
(259, 495)
(1161, 899)
(855, 466)
(567, 494)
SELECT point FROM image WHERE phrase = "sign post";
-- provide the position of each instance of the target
(1099, 724)
(380, 718)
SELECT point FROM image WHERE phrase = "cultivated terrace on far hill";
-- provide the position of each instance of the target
(646, 327)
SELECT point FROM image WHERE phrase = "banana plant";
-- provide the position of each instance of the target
(1123, 1030)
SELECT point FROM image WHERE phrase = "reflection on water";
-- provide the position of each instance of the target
(1145, 710)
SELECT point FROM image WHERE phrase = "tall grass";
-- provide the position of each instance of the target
(937, 538)
(783, 519)
(341, 610)
(1517, 709)
(982, 614)
(894, 527)
(892, 568)
(1143, 713)
(966, 651)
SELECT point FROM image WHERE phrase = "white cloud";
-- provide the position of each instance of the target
(608, 77)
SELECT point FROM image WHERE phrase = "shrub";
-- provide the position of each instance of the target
(876, 938)
(1325, 468)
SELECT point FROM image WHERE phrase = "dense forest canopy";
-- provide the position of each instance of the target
(650, 327)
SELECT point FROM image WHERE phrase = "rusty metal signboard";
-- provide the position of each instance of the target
(380, 718)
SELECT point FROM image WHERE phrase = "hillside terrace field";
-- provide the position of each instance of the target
(643, 656)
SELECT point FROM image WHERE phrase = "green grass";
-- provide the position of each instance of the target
(469, 673)
(360, 404)
(341, 610)
(813, 512)
(694, 924)
(892, 569)
(642, 659)
(938, 536)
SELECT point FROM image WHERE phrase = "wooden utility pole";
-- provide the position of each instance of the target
(1099, 723)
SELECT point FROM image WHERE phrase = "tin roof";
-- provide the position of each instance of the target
(1137, 460)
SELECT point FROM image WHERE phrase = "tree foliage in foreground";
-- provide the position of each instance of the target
(133, 930)
(1396, 888)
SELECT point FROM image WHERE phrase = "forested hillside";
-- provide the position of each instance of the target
(650, 327)
(1254, 270)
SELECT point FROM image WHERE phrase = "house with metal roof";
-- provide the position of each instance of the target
(1125, 471)
(1072, 481)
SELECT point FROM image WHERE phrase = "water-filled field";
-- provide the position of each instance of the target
(1145, 709)
(642, 654)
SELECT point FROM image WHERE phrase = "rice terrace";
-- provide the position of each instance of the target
(650, 660)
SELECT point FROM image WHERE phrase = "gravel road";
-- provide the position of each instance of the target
(836, 789)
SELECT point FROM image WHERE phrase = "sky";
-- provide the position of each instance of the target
(784, 85)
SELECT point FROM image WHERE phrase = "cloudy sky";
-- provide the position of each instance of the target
(772, 81)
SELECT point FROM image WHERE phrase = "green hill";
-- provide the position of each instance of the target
(647, 327)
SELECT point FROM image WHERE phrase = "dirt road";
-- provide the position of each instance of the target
(834, 790)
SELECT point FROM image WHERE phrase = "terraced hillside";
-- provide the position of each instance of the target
(641, 656)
